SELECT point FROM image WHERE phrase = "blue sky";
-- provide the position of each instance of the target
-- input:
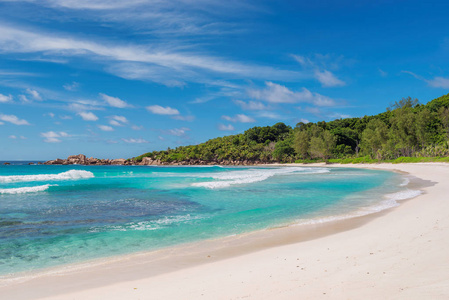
(119, 78)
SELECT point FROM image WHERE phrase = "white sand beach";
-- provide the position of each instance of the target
(402, 253)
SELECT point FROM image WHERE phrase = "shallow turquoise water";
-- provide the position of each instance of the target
(53, 215)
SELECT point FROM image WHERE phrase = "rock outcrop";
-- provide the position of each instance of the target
(81, 159)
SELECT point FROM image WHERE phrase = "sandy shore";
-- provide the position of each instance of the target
(400, 254)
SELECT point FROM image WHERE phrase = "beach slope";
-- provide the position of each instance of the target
(400, 254)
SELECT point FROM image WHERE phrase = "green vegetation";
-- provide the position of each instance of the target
(406, 132)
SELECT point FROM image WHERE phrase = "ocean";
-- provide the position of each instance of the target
(57, 215)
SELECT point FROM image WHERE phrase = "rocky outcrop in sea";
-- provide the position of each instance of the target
(81, 159)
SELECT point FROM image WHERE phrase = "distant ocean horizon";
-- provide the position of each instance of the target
(21, 162)
(57, 215)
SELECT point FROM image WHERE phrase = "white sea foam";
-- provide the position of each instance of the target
(405, 182)
(150, 225)
(390, 201)
(28, 189)
(405, 194)
(68, 175)
(226, 179)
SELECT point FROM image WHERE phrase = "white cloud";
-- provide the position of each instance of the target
(276, 93)
(223, 127)
(305, 121)
(382, 72)
(118, 120)
(325, 77)
(105, 128)
(13, 119)
(436, 82)
(4, 98)
(339, 116)
(184, 118)
(13, 137)
(114, 101)
(439, 82)
(24, 98)
(239, 118)
(270, 115)
(54, 137)
(88, 116)
(328, 79)
(178, 131)
(71, 86)
(115, 123)
(135, 127)
(84, 105)
(135, 141)
(34, 94)
(65, 117)
(160, 64)
(250, 105)
(51, 115)
(159, 110)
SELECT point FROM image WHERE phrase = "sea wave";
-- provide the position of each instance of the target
(389, 201)
(68, 175)
(226, 179)
(28, 189)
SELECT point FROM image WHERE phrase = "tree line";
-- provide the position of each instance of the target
(406, 129)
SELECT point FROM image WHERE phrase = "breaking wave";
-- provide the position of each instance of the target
(28, 189)
(253, 175)
(68, 175)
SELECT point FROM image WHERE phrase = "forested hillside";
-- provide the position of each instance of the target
(406, 129)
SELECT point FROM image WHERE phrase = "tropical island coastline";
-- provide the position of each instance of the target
(389, 249)
(406, 132)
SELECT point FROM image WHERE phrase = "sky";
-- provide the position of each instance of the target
(115, 79)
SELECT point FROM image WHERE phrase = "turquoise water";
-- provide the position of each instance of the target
(54, 215)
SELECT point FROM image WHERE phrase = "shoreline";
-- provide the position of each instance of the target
(203, 254)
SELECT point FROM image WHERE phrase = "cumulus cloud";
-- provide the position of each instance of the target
(223, 127)
(250, 105)
(13, 119)
(135, 127)
(114, 101)
(276, 93)
(5, 98)
(54, 137)
(88, 116)
(159, 110)
(105, 128)
(239, 118)
(135, 141)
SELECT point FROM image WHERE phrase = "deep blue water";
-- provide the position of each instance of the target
(54, 215)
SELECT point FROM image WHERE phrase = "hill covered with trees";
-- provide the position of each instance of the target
(405, 129)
